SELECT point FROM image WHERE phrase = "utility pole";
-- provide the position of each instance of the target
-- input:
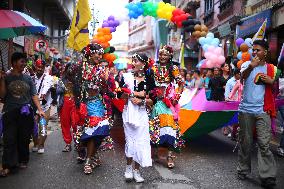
(94, 19)
(10, 41)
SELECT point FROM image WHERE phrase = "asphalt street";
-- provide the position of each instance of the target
(208, 162)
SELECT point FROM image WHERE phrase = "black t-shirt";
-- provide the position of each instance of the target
(19, 91)
(217, 84)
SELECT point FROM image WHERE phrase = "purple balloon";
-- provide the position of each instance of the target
(239, 41)
(112, 29)
(116, 23)
(105, 24)
(111, 23)
(111, 18)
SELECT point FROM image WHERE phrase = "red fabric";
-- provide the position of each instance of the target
(167, 102)
(269, 101)
(69, 117)
(118, 103)
(126, 90)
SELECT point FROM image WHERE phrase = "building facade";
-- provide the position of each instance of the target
(56, 15)
(256, 11)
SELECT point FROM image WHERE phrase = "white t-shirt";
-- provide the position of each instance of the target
(47, 83)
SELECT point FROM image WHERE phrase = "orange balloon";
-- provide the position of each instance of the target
(194, 34)
(105, 45)
(108, 37)
(106, 30)
(197, 34)
(197, 27)
(204, 28)
(245, 56)
(100, 30)
(203, 33)
(239, 64)
(95, 40)
(244, 47)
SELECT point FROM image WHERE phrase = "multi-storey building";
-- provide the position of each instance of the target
(256, 11)
(56, 15)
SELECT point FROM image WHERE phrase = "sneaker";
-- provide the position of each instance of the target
(268, 183)
(280, 151)
(67, 148)
(40, 151)
(34, 149)
(128, 174)
(137, 176)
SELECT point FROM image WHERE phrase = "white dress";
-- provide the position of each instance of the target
(136, 129)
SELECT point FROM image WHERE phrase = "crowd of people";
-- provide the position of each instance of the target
(83, 92)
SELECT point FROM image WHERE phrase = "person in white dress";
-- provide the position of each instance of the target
(136, 87)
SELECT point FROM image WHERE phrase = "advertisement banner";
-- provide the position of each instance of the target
(251, 24)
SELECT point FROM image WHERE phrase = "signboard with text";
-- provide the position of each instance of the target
(251, 24)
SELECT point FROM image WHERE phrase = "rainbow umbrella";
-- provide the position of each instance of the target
(199, 116)
(14, 23)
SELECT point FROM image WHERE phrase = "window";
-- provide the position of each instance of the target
(209, 11)
(209, 4)
(225, 5)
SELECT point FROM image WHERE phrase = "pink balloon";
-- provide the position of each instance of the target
(207, 55)
(213, 58)
(218, 51)
(209, 64)
(221, 60)
(211, 49)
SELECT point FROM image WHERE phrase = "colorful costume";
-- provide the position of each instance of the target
(93, 115)
(164, 129)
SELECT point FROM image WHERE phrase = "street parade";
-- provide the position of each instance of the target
(142, 94)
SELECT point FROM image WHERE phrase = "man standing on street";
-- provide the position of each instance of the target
(256, 109)
(43, 82)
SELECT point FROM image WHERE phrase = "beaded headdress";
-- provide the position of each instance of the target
(92, 49)
(166, 50)
(148, 61)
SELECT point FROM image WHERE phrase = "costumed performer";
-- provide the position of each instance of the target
(164, 128)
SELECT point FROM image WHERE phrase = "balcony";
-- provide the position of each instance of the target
(209, 16)
(226, 7)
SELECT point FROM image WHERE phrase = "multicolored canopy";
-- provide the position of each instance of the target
(199, 116)
(14, 23)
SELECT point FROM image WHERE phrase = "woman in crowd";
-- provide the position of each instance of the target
(164, 128)
(226, 71)
(68, 104)
(93, 114)
(18, 91)
(217, 85)
(207, 79)
(135, 116)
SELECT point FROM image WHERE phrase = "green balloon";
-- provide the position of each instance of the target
(107, 50)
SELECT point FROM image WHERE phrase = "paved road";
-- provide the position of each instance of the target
(206, 163)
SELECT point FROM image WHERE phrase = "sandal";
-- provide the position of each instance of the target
(88, 168)
(67, 148)
(170, 162)
(96, 162)
(4, 172)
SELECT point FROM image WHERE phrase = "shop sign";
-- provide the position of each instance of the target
(224, 29)
(20, 40)
(251, 24)
(278, 18)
